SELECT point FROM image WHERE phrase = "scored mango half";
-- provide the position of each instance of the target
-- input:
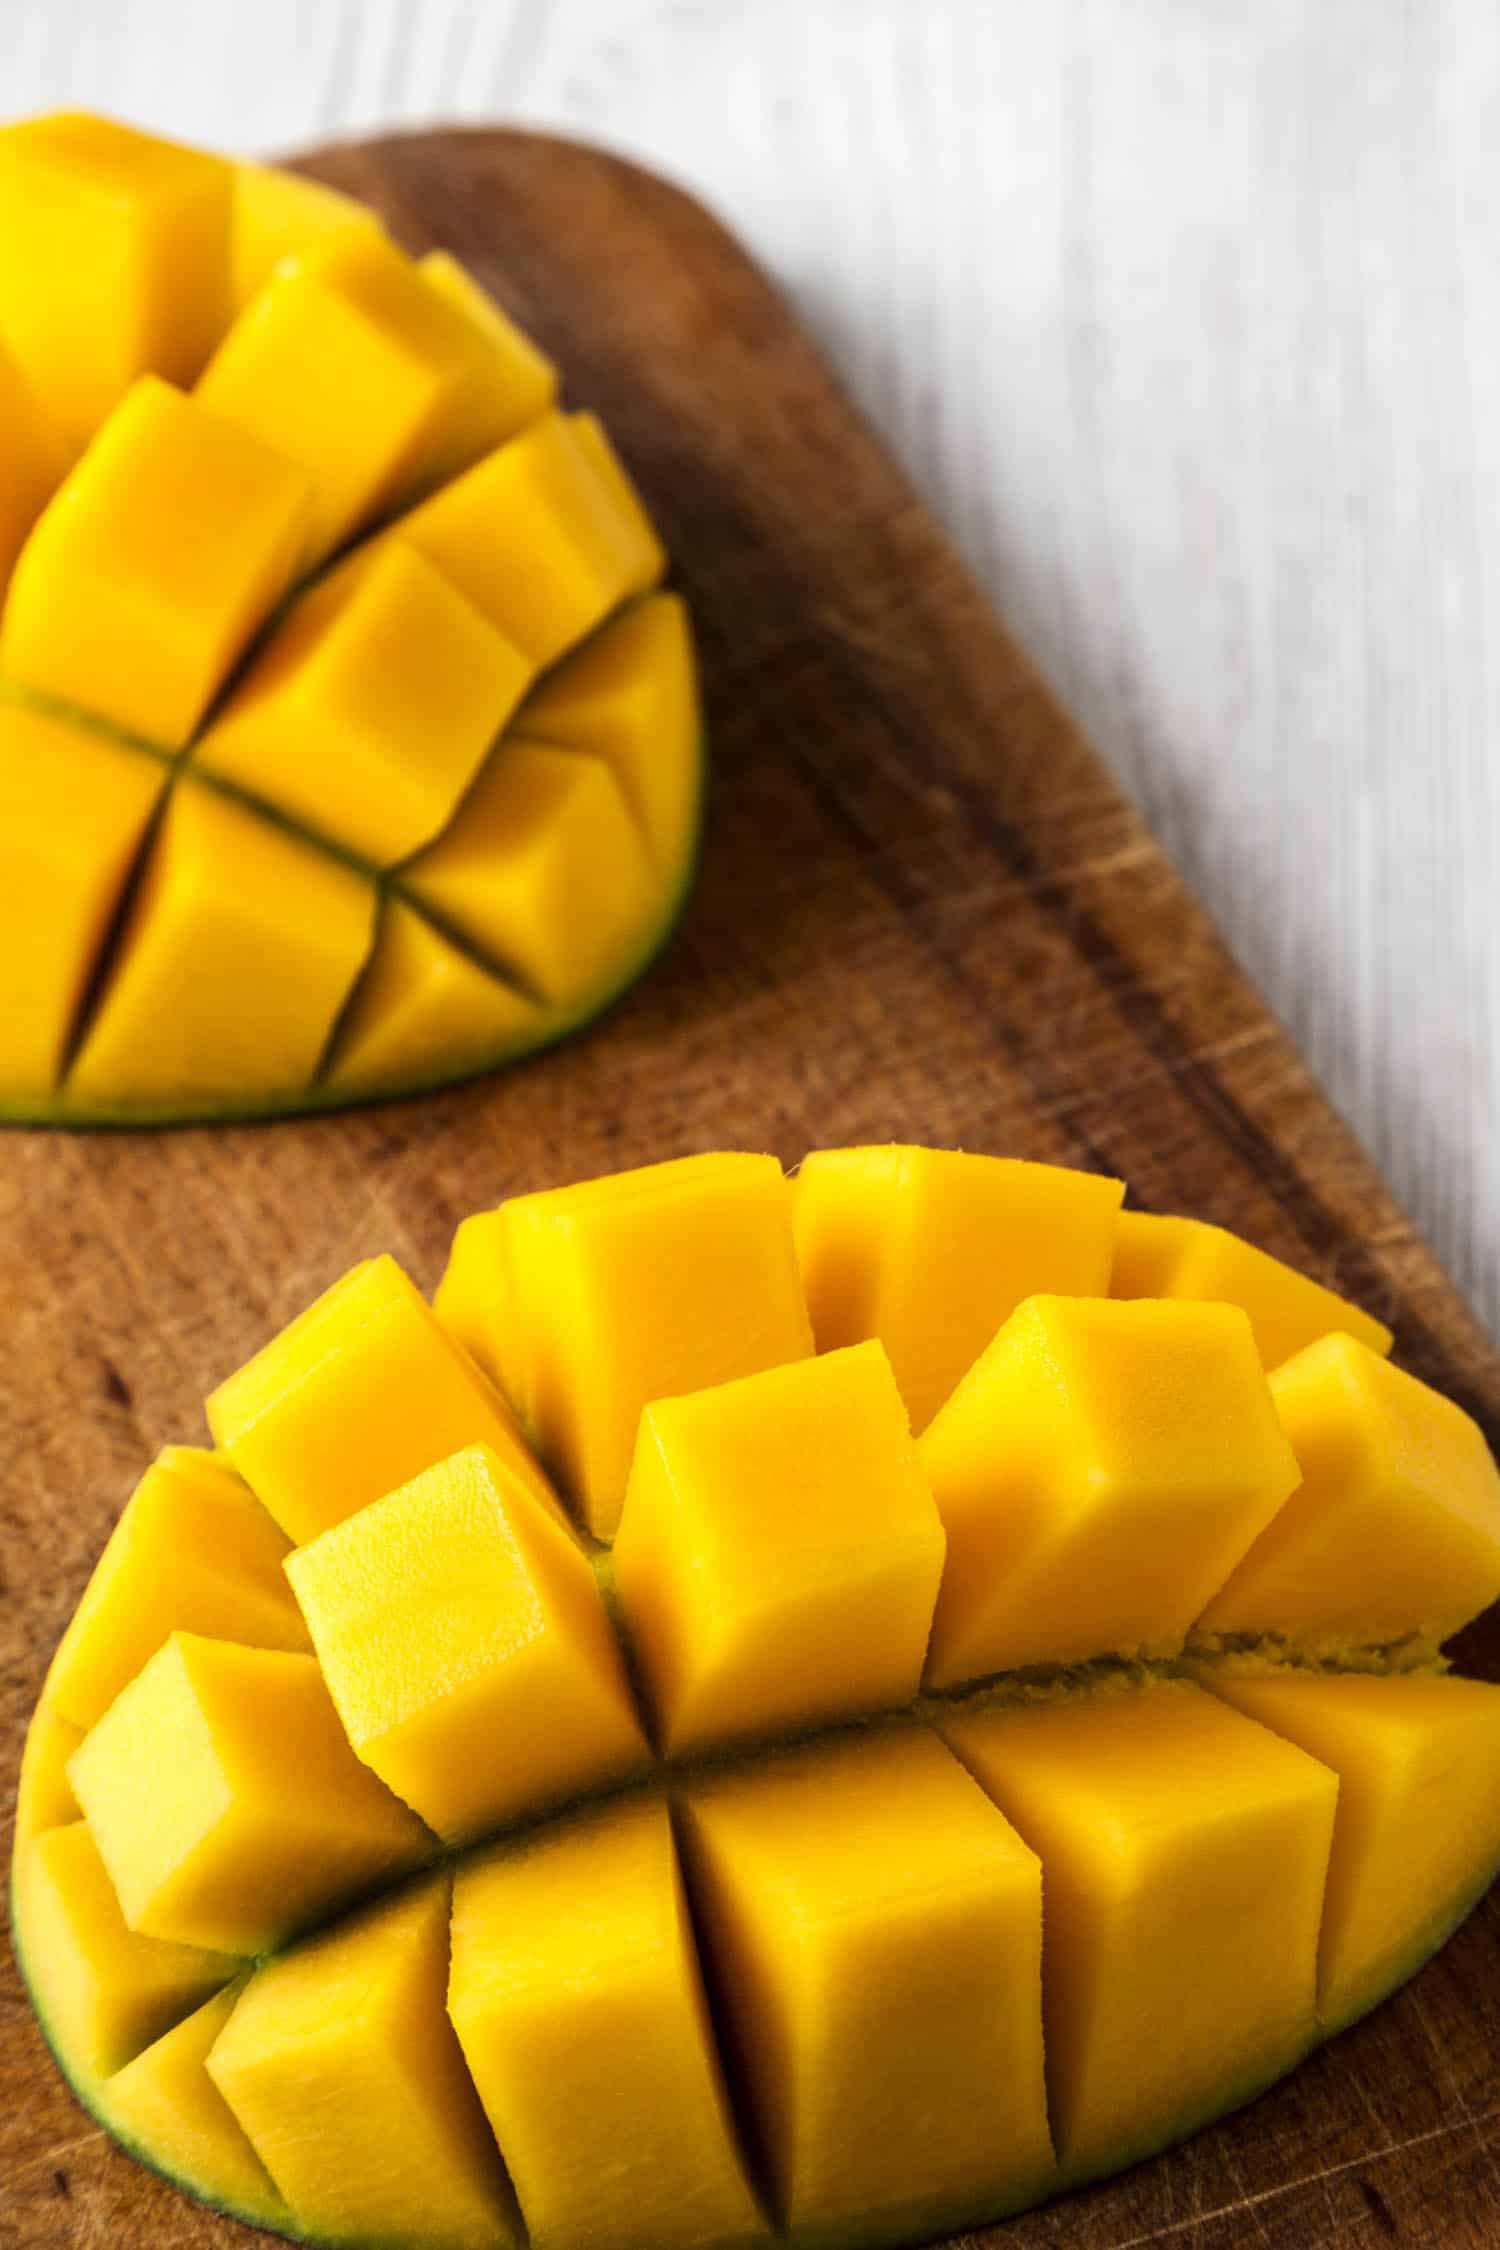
(776, 1710)
(349, 741)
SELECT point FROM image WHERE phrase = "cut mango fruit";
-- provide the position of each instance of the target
(576, 1992)
(152, 565)
(841, 1836)
(779, 1552)
(370, 709)
(1163, 1257)
(932, 1250)
(1394, 1529)
(291, 524)
(114, 261)
(1100, 1471)
(445, 1616)
(279, 216)
(876, 1929)
(352, 2031)
(1418, 1765)
(195, 1552)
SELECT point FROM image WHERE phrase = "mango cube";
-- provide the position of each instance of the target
(114, 260)
(1417, 1837)
(1165, 1257)
(260, 1816)
(535, 537)
(350, 364)
(424, 1007)
(473, 1300)
(355, 1396)
(74, 813)
(631, 698)
(193, 1551)
(371, 708)
(1394, 1530)
(531, 376)
(1183, 1862)
(163, 550)
(351, 2030)
(651, 559)
(932, 1250)
(279, 215)
(779, 1554)
(467, 1647)
(1099, 1471)
(32, 460)
(642, 1286)
(103, 1991)
(239, 949)
(874, 1927)
(165, 2102)
(577, 1997)
(44, 1794)
(542, 873)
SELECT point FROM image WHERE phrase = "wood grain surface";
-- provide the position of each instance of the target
(926, 912)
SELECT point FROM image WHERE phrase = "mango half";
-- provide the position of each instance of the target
(775, 1711)
(349, 743)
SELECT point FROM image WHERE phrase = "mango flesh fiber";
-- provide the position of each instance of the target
(301, 802)
(877, 1837)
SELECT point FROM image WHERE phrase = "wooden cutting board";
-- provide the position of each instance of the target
(926, 913)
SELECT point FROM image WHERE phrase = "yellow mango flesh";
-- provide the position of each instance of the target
(371, 708)
(1417, 1836)
(35, 460)
(1394, 1529)
(239, 950)
(1099, 1471)
(44, 1794)
(779, 1552)
(536, 537)
(875, 1928)
(932, 1250)
(655, 1282)
(351, 2029)
(362, 1391)
(350, 364)
(444, 1617)
(1183, 1864)
(577, 1995)
(165, 2105)
(792, 1967)
(630, 698)
(531, 378)
(1166, 1257)
(262, 1818)
(74, 814)
(114, 260)
(103, 1991)
(152, 565)
(194, 1552)
(277, 215)
(163, 585)
(542, 873)
(424, 1005)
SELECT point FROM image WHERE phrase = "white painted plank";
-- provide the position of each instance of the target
(1186, 318)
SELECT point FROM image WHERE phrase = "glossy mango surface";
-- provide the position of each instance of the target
(582, 1716)
(349, 743)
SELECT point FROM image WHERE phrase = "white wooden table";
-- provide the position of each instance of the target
(1186, 316)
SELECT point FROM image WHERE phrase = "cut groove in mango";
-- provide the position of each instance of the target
(882, 1834)
(292, 523)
